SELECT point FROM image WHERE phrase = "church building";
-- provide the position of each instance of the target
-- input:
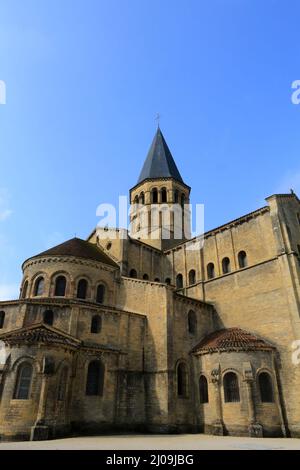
(152, 331)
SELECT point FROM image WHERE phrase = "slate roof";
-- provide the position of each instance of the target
(79, 248)
(159, 162)
(231, 339)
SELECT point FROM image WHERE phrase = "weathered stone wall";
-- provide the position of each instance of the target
(236, 416)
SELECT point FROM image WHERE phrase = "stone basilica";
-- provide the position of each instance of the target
(158, 334)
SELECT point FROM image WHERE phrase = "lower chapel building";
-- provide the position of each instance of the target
(154, 334)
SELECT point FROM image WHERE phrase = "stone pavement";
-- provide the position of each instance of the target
(157, 442)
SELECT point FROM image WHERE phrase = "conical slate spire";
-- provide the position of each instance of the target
(159, 162)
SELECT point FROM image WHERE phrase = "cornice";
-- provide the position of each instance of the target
(159, 179)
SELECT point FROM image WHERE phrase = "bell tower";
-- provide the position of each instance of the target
(160, 214)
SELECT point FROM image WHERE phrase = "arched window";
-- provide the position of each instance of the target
(231, 387)
(226, 265)
(154, 195)
(265, 387)
(96, 324)
(210, 270)
(100, 294)
(95, 378)
(192, 277)
(298, 218)
(82, 289)
(168, 281)
(179, 281)
(142, 198)
(133, 273)
(39, 286)
(182, 380)
(136, 200)
(24, 290)
(192, 322)
(62, 386)
(163, 195)
(2, 317)
(157, 279)
(182, 200)
(145, 277)
(48, 317)
(242, 257)
(176, 196)
(60, 286)
(23, 382)
(203, 389)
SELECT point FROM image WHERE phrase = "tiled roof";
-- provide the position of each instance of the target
(159, 162)
(79, 248)
(39, 333)
(231, 339)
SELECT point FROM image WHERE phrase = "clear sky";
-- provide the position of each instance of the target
(84, 81)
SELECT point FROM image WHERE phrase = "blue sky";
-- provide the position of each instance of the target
(84, 81)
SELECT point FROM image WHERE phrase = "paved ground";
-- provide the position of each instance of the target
(157, 442)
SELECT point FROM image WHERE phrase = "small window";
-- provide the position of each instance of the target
(24, 290)
(2, 317)
(136, 200)
(182, 200)
(142, 198)
(39, 286)
(265, 387)
(242, 257)
(145, 277)
(82, 289)
(182, 380)
(62, 386)
(154, 196)
(133, 273)
(108, 246)
(96, 324)
(179, 281)
(192, 277)
(48, 317)
(100, 294)
(231, 388)
(157, 279)
(298, 218)
(192, 322)
(210, 271)
(176, 196)
(168, 281)
(203, 389)
(60, 286)
(163, 195)
(226, 265)
(23, 383)
(95, 379)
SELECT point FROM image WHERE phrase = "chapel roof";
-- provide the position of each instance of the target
(231, 339)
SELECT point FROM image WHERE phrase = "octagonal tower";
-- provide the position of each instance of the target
(160, 213)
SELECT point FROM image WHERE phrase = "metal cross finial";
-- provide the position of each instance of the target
(157, 118)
